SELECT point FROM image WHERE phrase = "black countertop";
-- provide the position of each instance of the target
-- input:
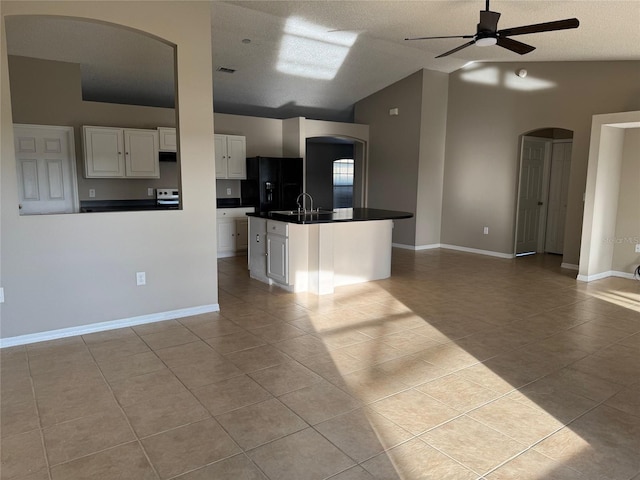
(88, 206)
(337, 215)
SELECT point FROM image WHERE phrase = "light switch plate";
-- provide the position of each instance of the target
(1, 294)
(92, 193)
(637, 247)
(141, 278)
(150, 192)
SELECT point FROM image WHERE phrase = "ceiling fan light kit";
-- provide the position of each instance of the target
(487, 33)
(486, 41)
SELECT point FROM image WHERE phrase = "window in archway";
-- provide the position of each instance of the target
(343, 183)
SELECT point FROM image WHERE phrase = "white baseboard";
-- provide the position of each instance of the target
(623, 275)
(479, 252)
(416, 247)
(600, 276)
(569, 266)
(110, 325)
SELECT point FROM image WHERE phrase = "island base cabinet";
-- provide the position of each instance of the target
(317, 258)
(277, 258)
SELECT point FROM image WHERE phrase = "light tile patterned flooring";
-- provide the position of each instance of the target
(457, 367)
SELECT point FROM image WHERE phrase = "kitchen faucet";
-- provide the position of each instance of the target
(302, 207)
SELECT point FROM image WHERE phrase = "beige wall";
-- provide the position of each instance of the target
(394, 150)
(486, 116)
(69, 270)
(604, 199)
(433, 131)
(45, 92)
(627, 235)
(407, 153)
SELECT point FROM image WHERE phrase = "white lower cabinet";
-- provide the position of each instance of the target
(232, 235)
(226, 235)
(286, 255)
(242, 234)
(278, 258)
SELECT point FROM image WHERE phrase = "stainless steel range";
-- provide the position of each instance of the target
(168, 197)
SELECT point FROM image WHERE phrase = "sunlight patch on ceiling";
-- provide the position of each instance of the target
(493, 76)
(309, 50)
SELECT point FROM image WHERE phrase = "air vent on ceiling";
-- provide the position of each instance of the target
(226, 70)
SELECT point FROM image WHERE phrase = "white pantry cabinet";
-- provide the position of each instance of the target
(120, 152)
(168, 139)
(231, 157)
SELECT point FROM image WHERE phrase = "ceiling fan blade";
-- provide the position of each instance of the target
(540, 27)
(488, 21)
(515, 46)
(468, 44)
(433, 38)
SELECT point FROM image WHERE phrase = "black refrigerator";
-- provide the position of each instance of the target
(272, 183)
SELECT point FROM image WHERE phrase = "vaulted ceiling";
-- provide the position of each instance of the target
(317, 58)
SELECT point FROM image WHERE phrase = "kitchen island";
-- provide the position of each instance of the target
(317, 251)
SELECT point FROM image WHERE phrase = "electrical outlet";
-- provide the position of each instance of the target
(1, 294)
(92, 193)
(228, 191)
(150, 192)
(141, 278)
(637, 247)
(485, 230)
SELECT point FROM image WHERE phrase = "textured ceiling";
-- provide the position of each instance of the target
(122, 66)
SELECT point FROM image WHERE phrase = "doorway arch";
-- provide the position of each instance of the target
(544, 163)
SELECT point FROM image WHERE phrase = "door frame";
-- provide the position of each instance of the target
(542, 221)
(72, 160)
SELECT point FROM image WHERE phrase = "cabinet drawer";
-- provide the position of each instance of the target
(240, 212)
(279, 228)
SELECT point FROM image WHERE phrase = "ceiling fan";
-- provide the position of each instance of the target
(488, 34)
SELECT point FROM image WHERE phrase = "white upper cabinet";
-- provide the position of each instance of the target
(141, 153)
(168, 139)
(120, 153)
(231, 157)
(103, 152)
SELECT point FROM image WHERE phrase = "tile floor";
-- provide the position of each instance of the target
(457, 367)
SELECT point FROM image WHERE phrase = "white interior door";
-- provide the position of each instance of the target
(46, 166)
(558, 195)
(530, 197)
